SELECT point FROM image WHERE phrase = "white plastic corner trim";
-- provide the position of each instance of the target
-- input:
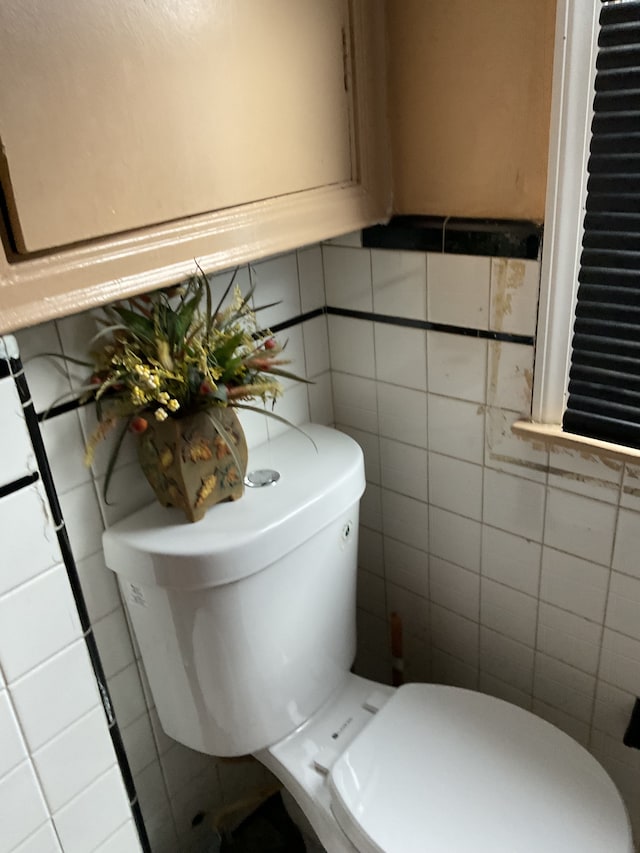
(571, 114)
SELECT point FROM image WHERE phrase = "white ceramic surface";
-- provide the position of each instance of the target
(441, 768)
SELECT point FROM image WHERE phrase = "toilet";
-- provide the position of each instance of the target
(246, 626)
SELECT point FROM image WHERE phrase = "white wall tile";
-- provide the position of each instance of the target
(114, 643)
(293, 406)
(13, 750)
(513, 504)
(139, 743)
(124, 840)
(563, 687)
(81, 512)
(347, 278)
(311, 276)
(514, 295)
(508, 611)
(499, 689)
(36, 620)
(403, 414)
(454, 538)
(320, 400)
(99, 586)
(351, 346)
(612, 710)
(371, 507)
(371, 593)
(620, 661)
(180, 764)
(94, 815)
(510, 376)
(22, 808)
(405, 519)
(129, 491)
(68, 763)
(316, 347)
(623, 606)
(511, 560)
(355, 402)
(64, 443)
(40, 689)
(505, 451)
(456, 428)
(626, 556)
(458, 288)
(574, 584)
(370, 445)
(447, 669)
(507, 659)
(569, 638)
(127, 696)
(276, 280)
(455, 485)
(576, 729)
(25, 557)
(403, 468)
(455, 588)
(453, 634)
(401, 356)
(585, 474)
(47, 377)
(406, 566)
(579, 525)
(412, 609)
(17, 458)
(43, 840)
(370, 556)
(399, 283)
(457, 366)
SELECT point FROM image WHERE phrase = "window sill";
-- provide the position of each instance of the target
(553, 435)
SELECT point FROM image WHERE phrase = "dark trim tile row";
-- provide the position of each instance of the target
(5, 370)
(500, 238)
(33, 427)
(17, 485)
(410, 323)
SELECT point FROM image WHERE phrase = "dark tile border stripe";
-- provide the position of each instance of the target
(5, 370)
(295, 321)
(410, 323)
(17, 485)
(72, 573)
(502, 238)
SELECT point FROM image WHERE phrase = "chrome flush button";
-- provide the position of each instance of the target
(261, 477)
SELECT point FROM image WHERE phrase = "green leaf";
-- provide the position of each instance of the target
(136, 323)
(276, 371)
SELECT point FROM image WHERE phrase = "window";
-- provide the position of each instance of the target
(593, 387)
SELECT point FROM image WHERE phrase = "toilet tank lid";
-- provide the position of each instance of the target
(442, 768)
(321, 475)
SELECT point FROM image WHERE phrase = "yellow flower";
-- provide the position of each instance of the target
(160, 415)
(173, 405)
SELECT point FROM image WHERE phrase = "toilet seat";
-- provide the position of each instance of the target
(445, 769)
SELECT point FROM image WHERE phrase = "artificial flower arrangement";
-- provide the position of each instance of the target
(172, 358)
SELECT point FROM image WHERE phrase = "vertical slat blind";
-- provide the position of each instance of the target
(604, 378)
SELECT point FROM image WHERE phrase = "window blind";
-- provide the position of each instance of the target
(604, 378)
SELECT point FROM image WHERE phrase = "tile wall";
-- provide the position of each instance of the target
(182, 793)
(61, 788)
(514, 569)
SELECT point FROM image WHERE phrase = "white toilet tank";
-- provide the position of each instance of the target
(246, 619)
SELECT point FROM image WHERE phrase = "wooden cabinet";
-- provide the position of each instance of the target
(139, 136)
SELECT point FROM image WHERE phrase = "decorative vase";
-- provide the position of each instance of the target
(188, 463)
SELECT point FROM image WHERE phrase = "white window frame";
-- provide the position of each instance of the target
(571, 114)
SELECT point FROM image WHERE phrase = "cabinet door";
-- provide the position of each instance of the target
(120, 115)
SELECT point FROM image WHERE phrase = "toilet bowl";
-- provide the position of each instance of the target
(246, 625)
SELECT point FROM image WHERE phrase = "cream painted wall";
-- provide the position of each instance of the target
(469, 101)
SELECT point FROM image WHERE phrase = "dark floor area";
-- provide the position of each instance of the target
(269, 829)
